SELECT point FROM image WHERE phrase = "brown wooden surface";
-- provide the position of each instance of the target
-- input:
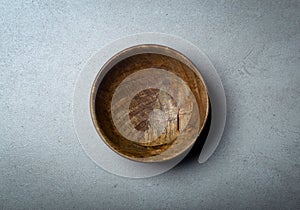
(149, 107)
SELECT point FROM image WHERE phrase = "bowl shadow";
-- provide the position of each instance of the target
(194, 153)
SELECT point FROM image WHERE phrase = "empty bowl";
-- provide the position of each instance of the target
(149, 103)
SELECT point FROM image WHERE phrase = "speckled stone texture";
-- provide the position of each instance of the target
(254, 45)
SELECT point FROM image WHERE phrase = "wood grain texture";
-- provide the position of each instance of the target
(150, 107)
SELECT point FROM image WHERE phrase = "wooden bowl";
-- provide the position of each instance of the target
(149, 103)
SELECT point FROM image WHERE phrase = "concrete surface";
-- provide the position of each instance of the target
(255, 46)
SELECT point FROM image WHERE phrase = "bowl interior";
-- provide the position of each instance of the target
(149, 103)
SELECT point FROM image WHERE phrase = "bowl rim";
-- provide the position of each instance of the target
(104, 70)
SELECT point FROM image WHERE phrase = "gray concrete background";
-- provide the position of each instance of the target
(254, 45)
